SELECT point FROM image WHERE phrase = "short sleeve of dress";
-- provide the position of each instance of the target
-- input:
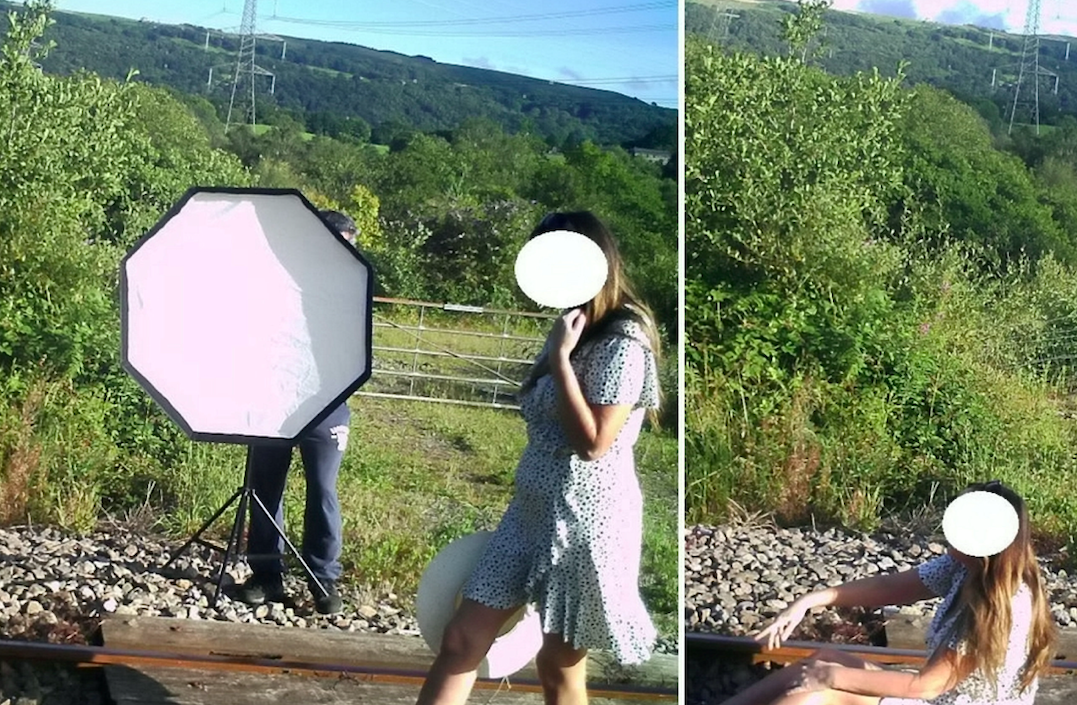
(615, 371)
(937, 574)
(620, 369)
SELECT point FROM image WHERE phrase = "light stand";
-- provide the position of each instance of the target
(244, 495)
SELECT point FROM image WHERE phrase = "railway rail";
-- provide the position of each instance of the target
(792, 651)
(102, 656)
(703, 652)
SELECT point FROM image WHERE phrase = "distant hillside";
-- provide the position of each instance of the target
(348, 81)
(958, 58)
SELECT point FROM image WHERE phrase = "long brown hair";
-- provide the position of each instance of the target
(987, 596)
(616, 300)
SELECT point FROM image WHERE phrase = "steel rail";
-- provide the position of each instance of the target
(458, 308)
(99, 656)
(791, 651)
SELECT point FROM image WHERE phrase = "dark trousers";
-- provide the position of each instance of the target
(321, 450)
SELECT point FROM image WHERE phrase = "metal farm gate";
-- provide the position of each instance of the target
(452, 354)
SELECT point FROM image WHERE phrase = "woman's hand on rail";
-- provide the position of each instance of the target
(784, 624)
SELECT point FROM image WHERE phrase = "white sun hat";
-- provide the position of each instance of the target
(439, 595)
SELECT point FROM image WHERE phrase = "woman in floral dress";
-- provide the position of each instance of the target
(991, 637)
(570, 540)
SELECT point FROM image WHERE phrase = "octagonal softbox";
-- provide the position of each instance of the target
(245, 315)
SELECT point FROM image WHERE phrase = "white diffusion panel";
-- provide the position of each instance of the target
(246, 314)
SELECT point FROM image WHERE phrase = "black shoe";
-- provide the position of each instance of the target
(258, 591)
(330, 603)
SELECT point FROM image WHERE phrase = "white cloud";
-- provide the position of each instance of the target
(1055, 17)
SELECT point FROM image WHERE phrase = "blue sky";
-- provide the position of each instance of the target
(628, 46)
(1007, 15)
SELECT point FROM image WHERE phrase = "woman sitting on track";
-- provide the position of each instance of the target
(991, 637)
(570, 540)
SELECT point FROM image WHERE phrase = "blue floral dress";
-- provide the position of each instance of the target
(570, 540)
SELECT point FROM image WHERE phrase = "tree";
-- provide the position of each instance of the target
(85, 166)
(971, 190)
(788, 177)
(801, 27)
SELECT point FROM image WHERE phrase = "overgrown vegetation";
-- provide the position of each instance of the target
(87, 165)
(880, 303)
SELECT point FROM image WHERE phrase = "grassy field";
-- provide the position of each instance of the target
(307, 136)
(262, 129)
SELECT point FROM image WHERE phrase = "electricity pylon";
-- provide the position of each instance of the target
(242, 102)
(725, 17)
(1029, 70)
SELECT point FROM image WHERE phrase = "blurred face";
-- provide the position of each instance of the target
(349, 235)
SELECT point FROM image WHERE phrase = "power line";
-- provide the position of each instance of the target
(487, 27)
(624, 79)
(505, 19)
(552, 32)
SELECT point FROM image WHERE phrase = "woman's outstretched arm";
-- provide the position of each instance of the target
(902, 588)
(877, 591)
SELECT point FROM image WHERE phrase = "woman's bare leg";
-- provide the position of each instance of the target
(468, 638)
(827, 697)
(563, 671)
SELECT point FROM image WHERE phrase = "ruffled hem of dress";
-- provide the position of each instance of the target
(629, 635)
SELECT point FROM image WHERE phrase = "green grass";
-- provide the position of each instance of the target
(983, 46)
(830, 456)
(262, 129)
(214, 49)
(330, 72)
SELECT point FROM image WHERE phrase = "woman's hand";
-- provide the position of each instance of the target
(566, 334)
(783, 625)
(810, 676)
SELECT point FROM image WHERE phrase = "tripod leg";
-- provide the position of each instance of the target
(291, 546)
(232, 549)
(198, 534)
